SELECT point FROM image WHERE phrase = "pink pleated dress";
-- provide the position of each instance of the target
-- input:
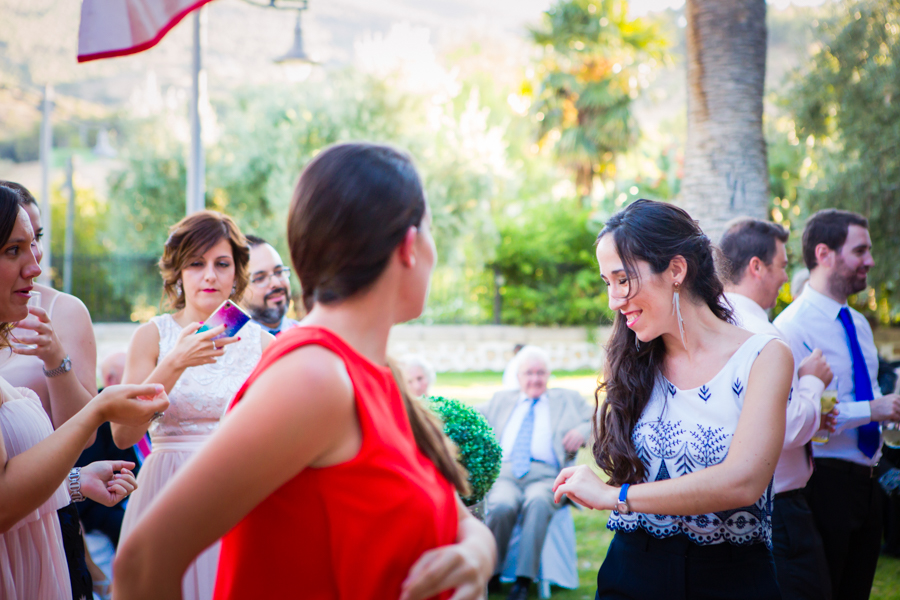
(197, 402)
(32, 558)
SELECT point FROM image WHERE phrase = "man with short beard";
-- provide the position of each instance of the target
(842, 492)
(268, 296)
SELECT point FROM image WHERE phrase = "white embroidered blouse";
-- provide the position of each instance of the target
(682, 431)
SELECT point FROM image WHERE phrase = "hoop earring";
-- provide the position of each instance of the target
(676, 310)
(179, 290)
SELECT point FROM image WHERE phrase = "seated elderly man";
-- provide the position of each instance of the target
(540, 431)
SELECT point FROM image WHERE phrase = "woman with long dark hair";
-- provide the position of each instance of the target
(325, 478)
(692, 422)
(36, 475)
(54, 354)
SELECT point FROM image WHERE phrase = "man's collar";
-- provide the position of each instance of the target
(523, 397)
(828, 306)
(272, 330)
(746, 305)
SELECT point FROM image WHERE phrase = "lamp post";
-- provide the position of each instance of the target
(46, 151)
(196, 167)
(296, 54)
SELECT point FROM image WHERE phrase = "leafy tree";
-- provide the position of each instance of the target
(108, 284)
(594, 61)
(548, 268)
(269, 135)
(849, 102)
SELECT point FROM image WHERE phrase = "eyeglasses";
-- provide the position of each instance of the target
(262, 279)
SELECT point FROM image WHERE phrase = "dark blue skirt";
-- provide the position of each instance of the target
(639, 566)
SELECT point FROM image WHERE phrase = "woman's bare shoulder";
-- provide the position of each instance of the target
(309, 374)
(145, 335)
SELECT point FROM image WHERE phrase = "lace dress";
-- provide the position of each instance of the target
(683, 431)
(32, 559)
(197, 402)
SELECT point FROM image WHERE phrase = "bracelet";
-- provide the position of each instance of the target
(75, 485)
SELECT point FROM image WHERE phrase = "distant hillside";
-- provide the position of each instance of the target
(39, 44)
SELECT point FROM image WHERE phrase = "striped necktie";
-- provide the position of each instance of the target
(521, 450)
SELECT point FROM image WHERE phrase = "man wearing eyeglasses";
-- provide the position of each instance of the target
(268, 296)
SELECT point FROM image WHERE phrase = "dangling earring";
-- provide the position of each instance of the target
(178, 289)
(233, 288)
(676, 310)
(637, 343)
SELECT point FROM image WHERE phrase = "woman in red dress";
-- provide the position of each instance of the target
(325, 481)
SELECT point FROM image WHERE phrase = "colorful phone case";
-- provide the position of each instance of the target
(228, 314)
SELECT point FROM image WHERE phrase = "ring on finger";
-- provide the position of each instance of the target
(215, 347)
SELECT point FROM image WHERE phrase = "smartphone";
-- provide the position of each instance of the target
(228, 314)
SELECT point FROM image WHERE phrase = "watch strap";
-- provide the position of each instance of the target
(75, 485)
(64, 367)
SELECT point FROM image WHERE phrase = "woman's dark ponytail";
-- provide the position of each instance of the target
(350, 211)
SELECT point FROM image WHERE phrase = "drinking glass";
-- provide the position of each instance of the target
(34, 300)
(827, 403)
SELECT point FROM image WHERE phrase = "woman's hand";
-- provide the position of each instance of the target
(132, 405)
(444, 568)
(193, 349)
(101, 483)
(48, 347)
(580, 484)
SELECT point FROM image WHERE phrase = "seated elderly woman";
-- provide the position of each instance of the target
(540, 430)
(419, 374)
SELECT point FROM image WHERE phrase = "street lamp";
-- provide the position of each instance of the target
(296, 54)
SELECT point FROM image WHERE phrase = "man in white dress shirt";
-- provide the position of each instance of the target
(842, 492)
(758, 260)
(539, 430)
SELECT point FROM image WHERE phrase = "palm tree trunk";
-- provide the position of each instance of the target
(725, 170)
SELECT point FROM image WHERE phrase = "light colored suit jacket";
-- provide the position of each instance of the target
(568, 410)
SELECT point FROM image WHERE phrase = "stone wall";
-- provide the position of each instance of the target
(448, 347)
(454, 348)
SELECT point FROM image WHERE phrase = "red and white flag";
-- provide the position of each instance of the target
(120, 27)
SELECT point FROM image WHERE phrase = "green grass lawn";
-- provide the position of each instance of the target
(590, 526)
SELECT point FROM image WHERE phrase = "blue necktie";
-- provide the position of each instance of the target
(521, 450)
(869, 437)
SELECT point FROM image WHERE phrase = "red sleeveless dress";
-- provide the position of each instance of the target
(351, 530)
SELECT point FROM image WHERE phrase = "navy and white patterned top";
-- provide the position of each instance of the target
(683, 431)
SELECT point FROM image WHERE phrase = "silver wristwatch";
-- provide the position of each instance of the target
(65, 367)
(75, 485)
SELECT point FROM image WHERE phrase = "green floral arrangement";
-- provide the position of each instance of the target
(479, 451)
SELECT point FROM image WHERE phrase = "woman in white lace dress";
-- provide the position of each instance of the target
(35, 460)
(691, 426)
(203, 264)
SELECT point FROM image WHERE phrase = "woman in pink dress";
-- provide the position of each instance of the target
(37, 462)
(204, 263)
(63, 337)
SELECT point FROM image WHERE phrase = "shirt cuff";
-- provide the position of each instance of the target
(852, 414)
(812, 385)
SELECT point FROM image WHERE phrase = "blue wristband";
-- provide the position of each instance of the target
(622, 505)
(623, 493)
